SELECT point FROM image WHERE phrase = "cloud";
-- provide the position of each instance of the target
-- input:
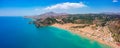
(66, 5)
(115, 1)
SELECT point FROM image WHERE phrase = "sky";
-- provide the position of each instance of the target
(36, 7)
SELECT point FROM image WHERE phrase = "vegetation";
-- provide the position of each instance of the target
(98, 19)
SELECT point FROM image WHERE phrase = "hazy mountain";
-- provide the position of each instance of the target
(111, 13)
(52, 14)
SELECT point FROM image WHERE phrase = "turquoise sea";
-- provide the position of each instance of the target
(15, 32)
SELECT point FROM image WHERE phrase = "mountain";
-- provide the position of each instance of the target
(111, 13)
(51, 14)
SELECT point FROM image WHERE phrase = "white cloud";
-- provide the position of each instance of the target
(115, 0)
(66, 5)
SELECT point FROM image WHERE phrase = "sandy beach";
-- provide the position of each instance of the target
(100, 34)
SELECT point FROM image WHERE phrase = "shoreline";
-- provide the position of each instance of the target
(104, 38)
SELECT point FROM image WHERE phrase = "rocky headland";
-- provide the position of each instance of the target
(104, 28)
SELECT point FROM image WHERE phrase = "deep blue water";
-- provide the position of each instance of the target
(15, 32)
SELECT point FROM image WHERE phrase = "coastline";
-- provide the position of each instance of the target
(104, 38)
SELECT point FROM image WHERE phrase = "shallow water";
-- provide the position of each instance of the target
(15, 32)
